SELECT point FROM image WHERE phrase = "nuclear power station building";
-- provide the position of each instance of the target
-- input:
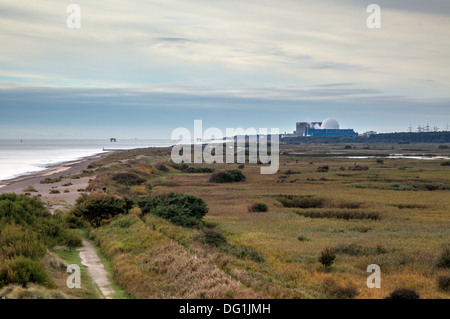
(327, 128)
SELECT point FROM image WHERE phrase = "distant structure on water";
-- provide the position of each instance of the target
(113, 140)
(327, 128)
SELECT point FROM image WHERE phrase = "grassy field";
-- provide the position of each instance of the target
(409, 198)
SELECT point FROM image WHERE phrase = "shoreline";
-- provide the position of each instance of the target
(68, 187)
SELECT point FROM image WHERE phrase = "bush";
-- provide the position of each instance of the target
(291, 172)
(70, 238)
(258, 208)
(403, 293)
(301, 201)
(359, 168)
(241, 166)
(341, 215)
(302, 238)
(29, 189)
(323, 169)
(161, 167)
(96, 208)
(181, 166)
(22, 270)
(327, 257)
(444, 147)
(50, 180)
(73, 221)
(444, 259)
(444, 283)
(18, 240)
(357, 250)
(180, 209)
(380, 161)
(128, 179)
(213, 238)
(54, 191)
(232, 176)
(337, 291)
(446, 163)
(21, 209)
(199, 170)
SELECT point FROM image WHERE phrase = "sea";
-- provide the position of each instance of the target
(21, 157)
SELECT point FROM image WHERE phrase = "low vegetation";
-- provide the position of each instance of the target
(50, 180)
(364, 216)
(403, 293)
(232, 176)
(27, 230)
(258, 208)
(347, 215)
(180, 209)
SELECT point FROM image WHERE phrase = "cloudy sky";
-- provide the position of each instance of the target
(142, 68)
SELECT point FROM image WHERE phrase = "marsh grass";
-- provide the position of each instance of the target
(413, 229)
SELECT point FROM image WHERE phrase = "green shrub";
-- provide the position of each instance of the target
(258, 208)
(446, 163)
(16, 240)
(199, 170)
(73, 221)
(357, 250)
(341, 215)
(181, 166)
(180, 209)
(128, 179)
(213, 238)
(96, 208)
(444, 147)
(327, 257)
(403, 293)
(232, 176)
(161, 167)
(444, 259)
(302, 238)
(323, 169)
(70, 239)
(444, 283)
(301, 201)
(21, 209)
(291, 172)
(22, 270)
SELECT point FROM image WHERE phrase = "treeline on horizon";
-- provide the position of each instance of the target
(399, 138)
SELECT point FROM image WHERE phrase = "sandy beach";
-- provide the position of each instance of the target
(68, 193)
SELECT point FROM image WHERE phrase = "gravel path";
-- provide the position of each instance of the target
(96, 269)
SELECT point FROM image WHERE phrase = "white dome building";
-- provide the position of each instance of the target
(330, 124)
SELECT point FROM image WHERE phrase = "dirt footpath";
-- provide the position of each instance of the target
(96, 269)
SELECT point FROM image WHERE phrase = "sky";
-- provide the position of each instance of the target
(140, 69)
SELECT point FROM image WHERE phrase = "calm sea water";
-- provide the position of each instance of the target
(19, 157)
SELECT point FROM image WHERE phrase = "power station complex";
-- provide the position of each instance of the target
(327, 128)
